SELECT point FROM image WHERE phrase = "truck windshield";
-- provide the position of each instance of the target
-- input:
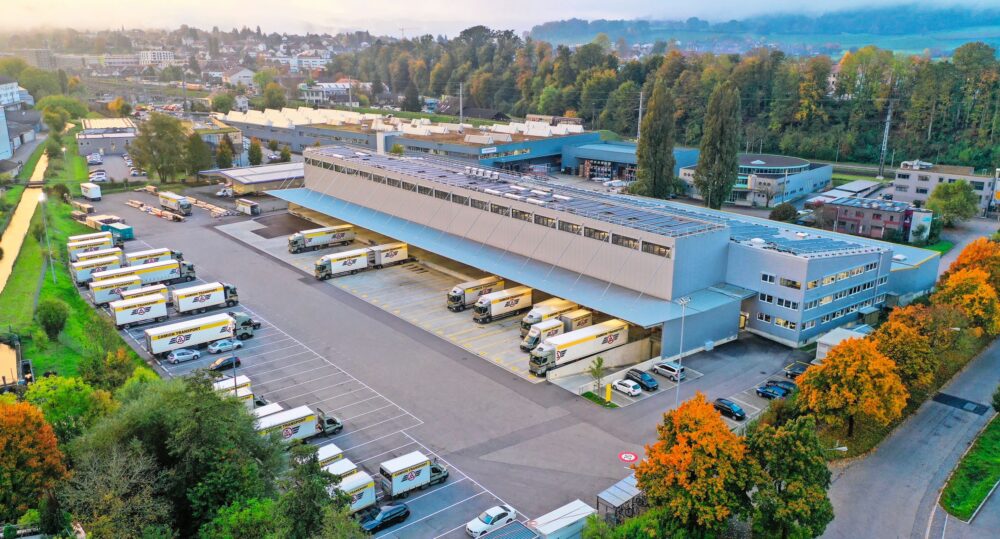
(526, 325)
(454, 298)
(530, 340)
(536, 360)
(482, 308)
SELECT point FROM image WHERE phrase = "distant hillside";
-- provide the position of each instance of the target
(941, 29)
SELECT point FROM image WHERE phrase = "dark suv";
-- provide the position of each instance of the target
(387, 515)
(643, 378)
(729, 408)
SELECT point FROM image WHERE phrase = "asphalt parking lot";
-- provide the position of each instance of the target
(116, 168)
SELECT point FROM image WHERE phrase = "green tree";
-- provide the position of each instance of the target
(224, 156)
(655, 152)
(198, 154)
(596, 372)
(159, 146)
(12, 66)
(70, 405)
(411, 98)
(75, 107)
(255, 518)
(996, 400)
(255, 155)
(51, 314)
(790, 497)
(55, 119)
(783, 212)
(39, 83)
(397, 150)
(717, 167)
(274, 96)
(119, 107)
(338, 523)
(223, 103)
(953, 202)
(53, 149)
(305, 494)
(52, 519)
(621, 111)
(264, 77)
(30, 461)
(286, 155)
(272, 145)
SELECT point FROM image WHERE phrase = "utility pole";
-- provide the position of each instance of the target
(461, 107)
(885, 134)
(638, 128)
(184, 89)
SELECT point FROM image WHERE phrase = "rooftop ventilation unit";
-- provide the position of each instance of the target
(493, 192)
(496, 175)
(758, 242)
(513, 196)
(899, 258)
(562, 197)
(468, 171)
(537, 202)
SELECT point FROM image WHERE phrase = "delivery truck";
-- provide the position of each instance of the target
(557, 351)
(83, 270)
(110, 290)
(341, 468)
(411, 471)
(544, 310)
(566, 322)
(147, 291)
(360, 489)
(166, 272)
(357, 260)
(149, 256)
(90, 191)
(246, 396)
(139, 310)
(388, 254)
(320, 238)
(194, 333)
(465, 295)
(103, 253)
(203, 297)
(88, 237)
(229, 383)
(85, 246)
(328, 454)
(175, 203)
(497, 305)
(299, 423)
(267, 409)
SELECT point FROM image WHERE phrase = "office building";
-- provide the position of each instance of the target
(109, 136)
(916, 180)
(891, 220)
(765, 180)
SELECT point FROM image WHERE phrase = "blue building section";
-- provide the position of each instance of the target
(546, 153)
(619, 155)
(5, 148)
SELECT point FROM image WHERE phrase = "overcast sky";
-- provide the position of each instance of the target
(387, 16)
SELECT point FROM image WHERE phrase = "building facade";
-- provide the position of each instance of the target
(10, 95)
(239, 75)
(156, 58)
(916, 180)
(6, 149)
(108, 136)
(876, 218)
(119, 61)
(764, 180)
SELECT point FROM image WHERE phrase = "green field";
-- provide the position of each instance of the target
(942, 246)
(976, 474)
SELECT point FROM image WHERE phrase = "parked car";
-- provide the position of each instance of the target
(224, 345)
(183, 354)
(99, 179)
(770, 392)
(387, 515)
(491, 519)
(643, 378)
(671, 369)
(273, 157)
(97, 171)
(627, 387)
(787, 385)
(729, 408)
(795, 369)
(225, 363)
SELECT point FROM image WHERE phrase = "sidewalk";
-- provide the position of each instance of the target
(13, 237)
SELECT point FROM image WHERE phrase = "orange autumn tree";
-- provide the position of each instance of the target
(915, 361)
(969, 291)
(30, 461)
(855, 379)
(982, 254)
(698, 470)
(934, 322)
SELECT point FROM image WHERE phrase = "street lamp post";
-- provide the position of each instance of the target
(683, 302)
(48, 247)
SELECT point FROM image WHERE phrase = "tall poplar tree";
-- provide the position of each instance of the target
(717, 162)
(655, 154)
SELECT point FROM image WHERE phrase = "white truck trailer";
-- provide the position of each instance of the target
(203, 297)
(320, 238)
(411, 471)
(90, 191)
(328, 454)
(569, 347)
(110, 290)
(544, 310)
(139, 310)
(246, 396)
(85, 246)
(357, 260)
(360, 489)
(87, 237)
(103, 253)
(497, 305)
(166, 272)
(267, 409)
(196, 332)
(149, 256)
(341, 468)
(465, 295)
(175, 203)
(84, 269)
(299, 423)
(147, 291)
(571, 321)
(228, 383)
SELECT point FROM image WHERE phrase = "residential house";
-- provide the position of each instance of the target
(239, 75)
(875, 218)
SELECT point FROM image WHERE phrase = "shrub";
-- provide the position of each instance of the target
(783, 212)
(52, 314)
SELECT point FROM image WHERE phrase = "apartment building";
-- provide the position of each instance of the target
(916, 180)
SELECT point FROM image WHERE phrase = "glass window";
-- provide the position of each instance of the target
(767, 277)
(545, 221)
(377, 178)
(443, 195)
(791, 284)
(764, 317)
(766, 298)
(812, 284)
(459, 199)
(392, 182)
(407, 186)
(596, 234)
(521, 215)
(625, 241)
(500, 210)
(658, 250)
(572, 228)
(480, 204)
(425, 190)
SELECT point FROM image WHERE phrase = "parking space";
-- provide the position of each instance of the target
(752, 403)
(116, 168)
(666, 387)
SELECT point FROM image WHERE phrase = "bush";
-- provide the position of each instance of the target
(59, 191)
(38, 232)
(273, 146)
(52, 148)
(52, 314)
(783, 212)
(40, 339)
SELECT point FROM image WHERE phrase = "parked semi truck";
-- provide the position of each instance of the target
(87, 237)
(194, 333)
(149, 256)
(139, 310)
(175, 203)
(147, 291)
(465, 295)
(203, 297)
(86, 246)
(90, 191)
(360, 489)
(84, 269)
(166, 272)
(320, 238)
(566, 348)
(497, 305)
(299, 423)
(544, 310)
(110, 290)
(360, 259)
(571, 321)
(411, 471)
(103, 253)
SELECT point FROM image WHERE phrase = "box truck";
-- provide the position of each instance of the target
(246, 396)
(387, 254)
(299, 423)
(569, 347)
(85, 246)
(193, 333)
(166, 272)
(360, 259)
(267, 409)
(88, 237)
(149, 256)
(341, 468)
(510, 302)
(120, 231)
(465, 295)
(541, 331)
(135, 311)
(360, 489)
(544, 310)
(328, 454)
(247, 207)
(411, 471)
(103, 253)
(203, 297)
(110, 290)
(320, 238)
(90, 191)
(175, 203)
(147, 291)
(228, 383)
(83, 270)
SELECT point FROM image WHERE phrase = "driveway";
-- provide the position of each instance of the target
(963, 234)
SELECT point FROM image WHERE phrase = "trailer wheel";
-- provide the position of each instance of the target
(124, 326)
(161, 319)
(353, 271)
(190, 278)
(404, 495)
(231, 303)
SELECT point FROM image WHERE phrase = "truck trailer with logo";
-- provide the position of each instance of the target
(90, 191)
(229, 383)
(565, 323)
(320, 238)
(267, 409)
(203, 297)
(544, 310)
(411, 471)
(360, 489)
(139, 310)
(341, 468)
(357, 260)
(137, 258)
(83, 270)
(174, 202)
(465, 295)
(502, 304)
(110, 290)
(328, 454)
(148, 291)
(86, 246)
(87, 237)
(103, 253)
(299, 423)
(166, 272)
(194, 333)
(569, 347)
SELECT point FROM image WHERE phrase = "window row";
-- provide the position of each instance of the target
(840, 313)
(846, 274)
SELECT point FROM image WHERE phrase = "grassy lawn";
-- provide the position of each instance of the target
(942, 246)
(975, 475)
(840, 178)
(11, 196)
(598, 400)
(17, 302)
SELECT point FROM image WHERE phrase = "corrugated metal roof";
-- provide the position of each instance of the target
(265, 173)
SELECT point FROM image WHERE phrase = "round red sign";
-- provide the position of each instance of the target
(628, 456)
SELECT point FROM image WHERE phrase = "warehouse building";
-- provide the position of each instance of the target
(256, 180)
(604, 161)
(764, 180)
(108, 136)
(650, 262)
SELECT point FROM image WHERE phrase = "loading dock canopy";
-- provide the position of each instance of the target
(616, 301)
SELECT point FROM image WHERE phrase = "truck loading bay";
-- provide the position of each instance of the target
(411, 380)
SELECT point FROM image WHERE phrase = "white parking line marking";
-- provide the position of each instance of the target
(373, 425)
(430, 515)
(354, 403)
(368, 412)
(383, 453)
(435, 491)
(366, 443)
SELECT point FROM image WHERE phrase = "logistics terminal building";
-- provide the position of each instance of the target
(646, 261)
